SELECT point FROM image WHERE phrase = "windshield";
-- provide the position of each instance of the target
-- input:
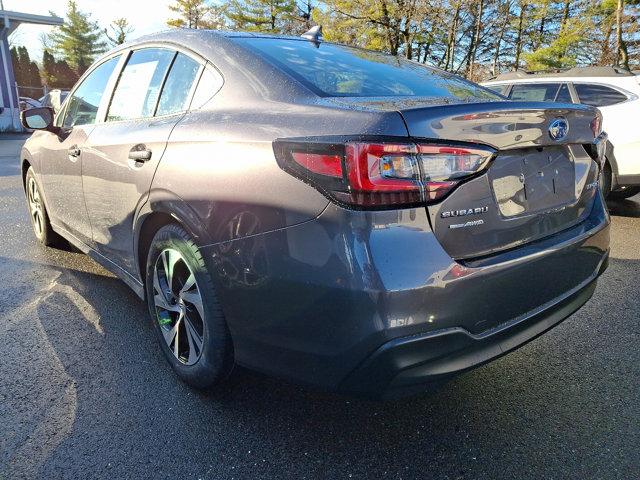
(338, 71)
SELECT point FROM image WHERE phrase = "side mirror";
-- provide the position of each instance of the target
(40, 118)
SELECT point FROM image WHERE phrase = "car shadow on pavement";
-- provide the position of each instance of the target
(625, 208)
(132, 418)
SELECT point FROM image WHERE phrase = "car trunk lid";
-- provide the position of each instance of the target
(536, 185)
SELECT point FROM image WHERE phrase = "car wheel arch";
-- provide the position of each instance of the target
(611, 158)
(24, 167)
(163, 208)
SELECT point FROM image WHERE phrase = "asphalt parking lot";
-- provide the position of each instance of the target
(86, 393)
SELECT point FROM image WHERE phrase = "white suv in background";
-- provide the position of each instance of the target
(616, 92)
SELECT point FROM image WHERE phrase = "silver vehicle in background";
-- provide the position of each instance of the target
(614, 91)
(54, 99)
(28, 102)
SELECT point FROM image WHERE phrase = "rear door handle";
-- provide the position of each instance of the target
(140, 153)
(74, 151)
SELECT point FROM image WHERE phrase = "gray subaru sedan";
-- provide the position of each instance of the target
(333, 216)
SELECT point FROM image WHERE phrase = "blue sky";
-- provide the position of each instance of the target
(147, 16)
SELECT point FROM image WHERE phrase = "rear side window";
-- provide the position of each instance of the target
(177, 87)
(138, 87)
(564, 95)
(535, 92)
(338, 71)
(598, 95)
(83, 104)
(208, 85)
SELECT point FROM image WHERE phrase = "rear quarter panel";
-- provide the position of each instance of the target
(220, 163)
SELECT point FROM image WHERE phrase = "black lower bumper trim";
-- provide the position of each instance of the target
(410, 364)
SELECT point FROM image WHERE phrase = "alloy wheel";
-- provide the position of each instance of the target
(179, 306)
(35, 207)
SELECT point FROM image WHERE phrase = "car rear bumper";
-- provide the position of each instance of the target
(369, 303)
(406, 365)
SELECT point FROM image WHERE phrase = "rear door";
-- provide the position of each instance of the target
(151, 95)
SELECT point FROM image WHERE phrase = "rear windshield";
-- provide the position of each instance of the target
(339, 71)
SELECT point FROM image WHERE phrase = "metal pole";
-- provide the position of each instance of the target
(18, 97)
(7, 58)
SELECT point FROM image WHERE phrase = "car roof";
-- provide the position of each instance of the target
(576, 72)
(598, 80)
(190, 38)
(629, 83)
(230, 57)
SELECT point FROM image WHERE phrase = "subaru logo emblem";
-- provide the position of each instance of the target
(558, 129)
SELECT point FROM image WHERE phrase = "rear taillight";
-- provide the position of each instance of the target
(597, 148)
(382, 174)
(596, 126)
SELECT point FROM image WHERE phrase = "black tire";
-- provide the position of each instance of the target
(215, 360)
(627, 192)
(39, 216)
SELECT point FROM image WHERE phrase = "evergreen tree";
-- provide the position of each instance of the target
(79, 40)
(26, 71)
(17, 65)
(57, 73)
(272, 16)
(197, 14)
(48, 67)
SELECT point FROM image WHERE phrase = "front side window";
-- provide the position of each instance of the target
(336, 71)
(175, 93)
(534, 92)
(83, 105)
(598, 95)
(136, 93)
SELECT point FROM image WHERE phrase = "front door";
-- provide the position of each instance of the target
(61, 168)
(62, 154)
(124, 151)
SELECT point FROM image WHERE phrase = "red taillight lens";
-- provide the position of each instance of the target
(322, 164)
(381, 174)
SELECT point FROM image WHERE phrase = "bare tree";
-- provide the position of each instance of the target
(520, 36)
(622, 55)
(120, 29)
